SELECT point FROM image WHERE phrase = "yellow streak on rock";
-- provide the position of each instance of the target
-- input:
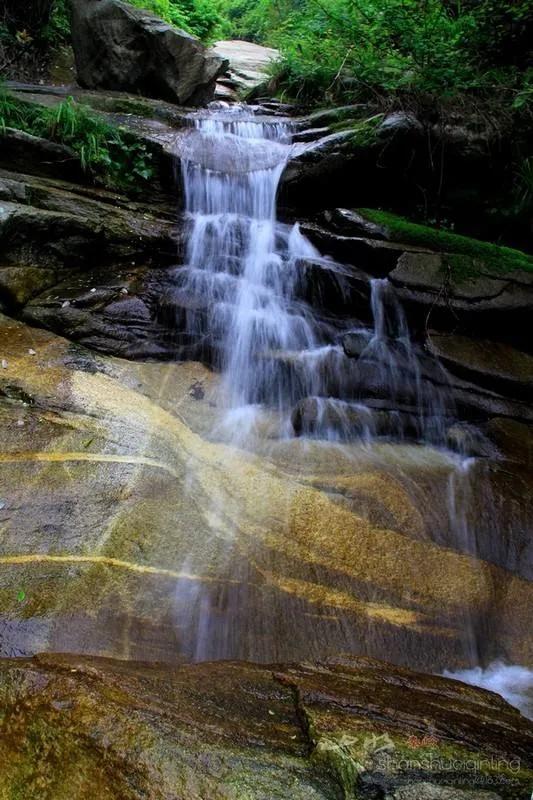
(107, 561)
(16, 458)
(326, 596)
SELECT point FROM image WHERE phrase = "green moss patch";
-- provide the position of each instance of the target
(462, 249)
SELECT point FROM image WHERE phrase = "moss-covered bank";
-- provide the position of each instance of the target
(496, 257)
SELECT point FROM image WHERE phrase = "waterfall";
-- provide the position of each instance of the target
(243, 293)
(239, 258)
(245, 281)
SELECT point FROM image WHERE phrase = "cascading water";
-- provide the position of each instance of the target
(239, 258)
(244, 283)
(247, 272)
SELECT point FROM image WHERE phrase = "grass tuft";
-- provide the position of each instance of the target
(111, 155)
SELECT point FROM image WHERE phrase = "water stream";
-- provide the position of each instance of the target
(244, 278)
(273, 349)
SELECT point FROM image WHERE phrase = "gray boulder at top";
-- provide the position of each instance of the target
(120, 47)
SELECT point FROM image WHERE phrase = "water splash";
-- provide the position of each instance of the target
(513, 683)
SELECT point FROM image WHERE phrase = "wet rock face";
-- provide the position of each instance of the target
(135, 558)
(112, 527)
(485, 366)
(124, 48)
(88, 263)
(98, 728)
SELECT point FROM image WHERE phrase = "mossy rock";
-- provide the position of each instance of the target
(464, 256)
(364, 131)
(82, 727)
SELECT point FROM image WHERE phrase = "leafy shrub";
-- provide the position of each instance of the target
(57, 30)
(198, 17)
(252, 20)
(350, 49)
(28, 15)
(524, 186)
(112, 155)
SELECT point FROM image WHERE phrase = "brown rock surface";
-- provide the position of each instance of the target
(85, 728)
(132, 534)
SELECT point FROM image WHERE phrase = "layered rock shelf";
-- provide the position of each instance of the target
(348, 729)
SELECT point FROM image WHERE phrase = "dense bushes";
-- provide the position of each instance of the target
(29, 15)
(347, 49)
(199, 17)
(351, 49)
(110, 154)
(47, 21)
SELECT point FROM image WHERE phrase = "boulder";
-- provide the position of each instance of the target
(356, 342)
(120, 47)
(248, 65)
(94, 727)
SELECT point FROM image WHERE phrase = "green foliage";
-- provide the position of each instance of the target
(499, 258)
(15, 114)
(363, 131)
(25, 15)
(199, 17)
(110, 154)
(350, 49)
(252, 20)
(47, 21)
(523, 100)
(57, 30)
(524, 186)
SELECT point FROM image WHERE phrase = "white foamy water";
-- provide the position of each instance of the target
(240, 259)
(513, 683)
(246, 279)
